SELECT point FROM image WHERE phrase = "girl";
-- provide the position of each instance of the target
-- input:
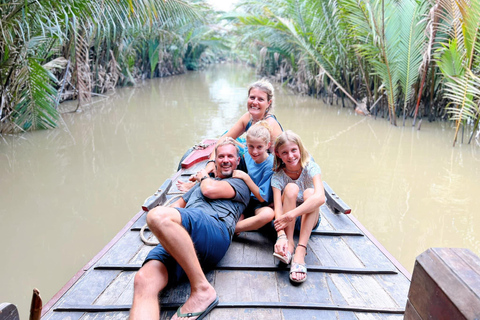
(259, 165)
(297, 195)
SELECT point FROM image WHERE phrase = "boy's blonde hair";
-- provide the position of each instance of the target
(260, 130)
(283, 138)
(266, 87)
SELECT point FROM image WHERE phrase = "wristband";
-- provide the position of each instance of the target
(204, 177)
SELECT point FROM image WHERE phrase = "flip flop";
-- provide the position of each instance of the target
(299, 268)
(201, 314)
(285, 259)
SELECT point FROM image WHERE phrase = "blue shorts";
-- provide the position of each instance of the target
(253, 205)
(210, 238)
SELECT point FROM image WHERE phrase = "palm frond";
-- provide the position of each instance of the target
(463, 92)
(34, 97)
(411, 46)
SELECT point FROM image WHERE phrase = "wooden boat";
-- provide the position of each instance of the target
(350, 275)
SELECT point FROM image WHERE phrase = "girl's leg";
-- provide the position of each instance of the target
(262, 216)
(309, 220)
(289, 199)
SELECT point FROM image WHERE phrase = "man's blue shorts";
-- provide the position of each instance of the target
(210, 238)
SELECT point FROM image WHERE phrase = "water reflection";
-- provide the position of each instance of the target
(66, 192)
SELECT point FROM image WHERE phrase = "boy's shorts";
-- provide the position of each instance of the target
(253, 205)
(210, 238)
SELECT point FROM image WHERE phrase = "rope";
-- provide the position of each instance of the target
(142, 231)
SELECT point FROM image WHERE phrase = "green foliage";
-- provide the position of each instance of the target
(106, 43)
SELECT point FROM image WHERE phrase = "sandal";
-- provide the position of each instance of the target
(299, 268)
(287, 258)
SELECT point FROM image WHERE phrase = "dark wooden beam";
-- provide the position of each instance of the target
(239, 305)
(136, 267)
(337, 233)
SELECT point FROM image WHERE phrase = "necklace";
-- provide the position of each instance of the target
(295, 172)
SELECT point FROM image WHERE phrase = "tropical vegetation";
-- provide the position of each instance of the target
(394, 58)
(52, 50)
(397, 59)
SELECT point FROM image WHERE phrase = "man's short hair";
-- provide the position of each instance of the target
(226, 141)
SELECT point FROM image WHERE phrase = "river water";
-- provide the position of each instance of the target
(66, 192)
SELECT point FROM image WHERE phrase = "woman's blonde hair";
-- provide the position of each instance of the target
(260, 130)
(283, 138)
(266, 87)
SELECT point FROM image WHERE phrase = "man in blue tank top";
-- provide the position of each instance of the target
(194, 233)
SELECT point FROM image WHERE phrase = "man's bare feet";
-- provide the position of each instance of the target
(199, 301)
(185, 186)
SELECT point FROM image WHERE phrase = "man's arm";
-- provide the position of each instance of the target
(214, 189)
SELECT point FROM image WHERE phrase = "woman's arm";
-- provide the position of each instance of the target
(275, 129)
(251, 185)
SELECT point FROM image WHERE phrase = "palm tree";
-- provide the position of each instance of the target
(37, 32)
(458, 59)
(298, 31)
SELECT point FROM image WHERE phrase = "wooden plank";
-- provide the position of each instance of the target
(339, 250)
(89, 287)
(438, 292)
(125, 249)
(465, 266)
(372, 292)
(63, 315)
(246, 286)
(396, 285)
(123, 282)
(246, 314)
(314, 290)
(117, 315)
(337, 221)
(368, 253)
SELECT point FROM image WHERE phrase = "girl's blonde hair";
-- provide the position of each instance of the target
(260, 130)
(266, 87)
(283, 138)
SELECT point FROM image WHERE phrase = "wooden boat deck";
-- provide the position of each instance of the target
(350, 276)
